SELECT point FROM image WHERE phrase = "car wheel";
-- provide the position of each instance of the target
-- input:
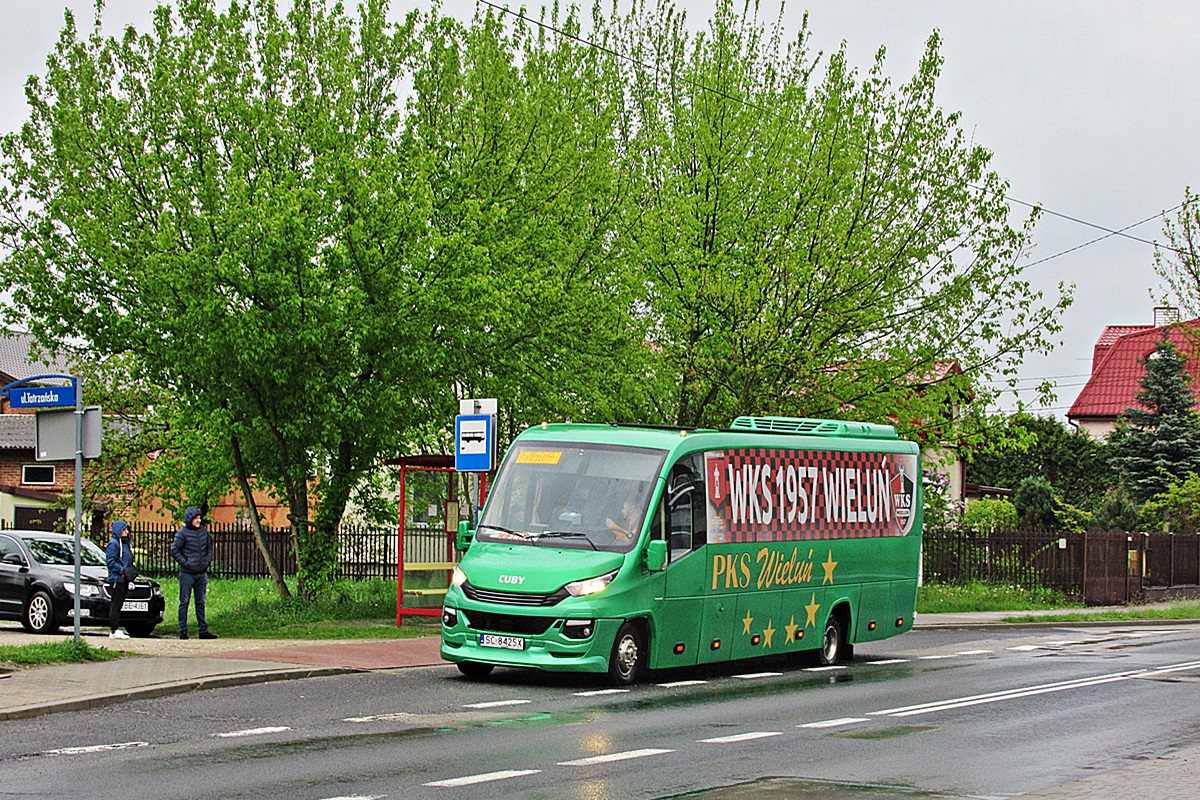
(474, 670)
(628, 658)
(39, 614)
(140, 630)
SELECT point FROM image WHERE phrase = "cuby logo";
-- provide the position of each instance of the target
(517, 579)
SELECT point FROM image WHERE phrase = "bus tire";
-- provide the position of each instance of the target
(830, 651)
(628, 658)
(473, 670)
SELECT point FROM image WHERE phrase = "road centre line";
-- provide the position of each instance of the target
(95, 748)
(628, 754)
(887, 661)
(598, 692)
(1016, 693)
(383, 717)
(357, 797)
(834, 723)
(973, 652)
(827, 668)
(674, 684)
(740, 737)
(1026, 647)
(470, 780)
(253, 732)
(498, 703)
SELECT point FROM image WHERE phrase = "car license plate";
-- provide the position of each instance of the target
(135, 605)
(503, 642)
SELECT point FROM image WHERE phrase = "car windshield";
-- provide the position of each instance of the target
(61, 552)
(581, 496)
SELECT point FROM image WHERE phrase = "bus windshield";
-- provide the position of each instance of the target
(568, 494)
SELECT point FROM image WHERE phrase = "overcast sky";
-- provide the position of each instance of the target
(1089, 108)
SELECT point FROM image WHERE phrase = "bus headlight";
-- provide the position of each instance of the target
(458, 578)
(449, 617)
(590, 586)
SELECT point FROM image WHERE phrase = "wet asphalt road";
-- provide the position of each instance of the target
(954, 713)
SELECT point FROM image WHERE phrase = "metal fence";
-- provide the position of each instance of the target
(363, 552)
(1019, 558)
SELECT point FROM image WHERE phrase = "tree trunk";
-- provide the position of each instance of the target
(256, 522)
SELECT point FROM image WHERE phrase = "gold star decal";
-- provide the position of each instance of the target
(812, 609)
(828, 564)
(746, 622)
(768, 632)
(791, 628)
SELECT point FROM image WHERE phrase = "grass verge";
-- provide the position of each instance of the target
(1177, 610)
(936, 598)
(252, 609)
(65, 652)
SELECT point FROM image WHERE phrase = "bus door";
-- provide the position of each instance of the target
(682, 520)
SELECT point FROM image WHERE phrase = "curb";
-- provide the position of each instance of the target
(167, 689)
(1034, 625)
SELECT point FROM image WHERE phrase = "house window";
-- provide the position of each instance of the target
(37, 474)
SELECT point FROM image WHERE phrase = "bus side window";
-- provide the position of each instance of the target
(686, 514)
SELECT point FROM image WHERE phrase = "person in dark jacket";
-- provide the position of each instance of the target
(119, 557)
(193, 551)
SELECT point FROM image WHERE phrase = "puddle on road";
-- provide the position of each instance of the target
(800, 789)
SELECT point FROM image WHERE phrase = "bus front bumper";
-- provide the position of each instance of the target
(550, 651)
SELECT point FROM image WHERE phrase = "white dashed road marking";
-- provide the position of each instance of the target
(253, 732)
(628, 754)
(498, 704)
(95, 748)
(752, 675)
(833, 723)
(598, 692)
(382, 717)
(741, 737)
(674, 684)
(485, 777)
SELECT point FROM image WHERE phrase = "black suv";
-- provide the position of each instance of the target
(37, 585)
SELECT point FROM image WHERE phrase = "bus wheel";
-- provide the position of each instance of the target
(628, 657)
(831, 644)
(474, 670)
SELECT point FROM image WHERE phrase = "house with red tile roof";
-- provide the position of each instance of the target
(1118, 366)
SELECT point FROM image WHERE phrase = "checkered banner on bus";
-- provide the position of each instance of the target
(772, 495)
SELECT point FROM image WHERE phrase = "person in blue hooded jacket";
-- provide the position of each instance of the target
(192, 549)
(119, 557)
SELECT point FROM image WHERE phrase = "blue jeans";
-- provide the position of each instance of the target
(187, 584)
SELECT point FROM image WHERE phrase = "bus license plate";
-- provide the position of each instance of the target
(135, 605)
(503, 642)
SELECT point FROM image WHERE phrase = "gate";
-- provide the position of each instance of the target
(1112, 568)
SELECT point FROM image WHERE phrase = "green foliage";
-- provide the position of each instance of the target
(1176, 509)
(990, 514)
(1117, 511)
(940, 598)
(813, 227)
(66, 651)
(1022, 445)
(1072, 519)
(1034, 500)
(1158, 442)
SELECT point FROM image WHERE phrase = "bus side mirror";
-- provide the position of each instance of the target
(656, 555)
(465, 536)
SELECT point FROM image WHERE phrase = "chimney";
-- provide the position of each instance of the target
(1166, 315)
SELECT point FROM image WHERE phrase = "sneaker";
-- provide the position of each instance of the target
(183, 635)
(118, 634)
(207, 635)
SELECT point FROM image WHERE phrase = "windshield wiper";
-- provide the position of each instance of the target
(506, 530)
(566, 535)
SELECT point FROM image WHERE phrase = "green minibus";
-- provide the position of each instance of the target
(622, 549)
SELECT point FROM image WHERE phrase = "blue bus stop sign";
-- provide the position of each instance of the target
(474, 442)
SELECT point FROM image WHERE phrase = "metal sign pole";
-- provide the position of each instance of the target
(78, 497)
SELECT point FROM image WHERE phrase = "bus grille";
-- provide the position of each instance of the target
(513, 598)
(506, 623)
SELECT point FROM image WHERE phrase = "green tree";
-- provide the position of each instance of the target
(988, 515)
(244, 205)
(814, 242)
(1158, 442)
(1024, 445)
(1035, 501)
(1116, 511)
(1176, 509)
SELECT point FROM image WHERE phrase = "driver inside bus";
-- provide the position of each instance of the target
(622, 527)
